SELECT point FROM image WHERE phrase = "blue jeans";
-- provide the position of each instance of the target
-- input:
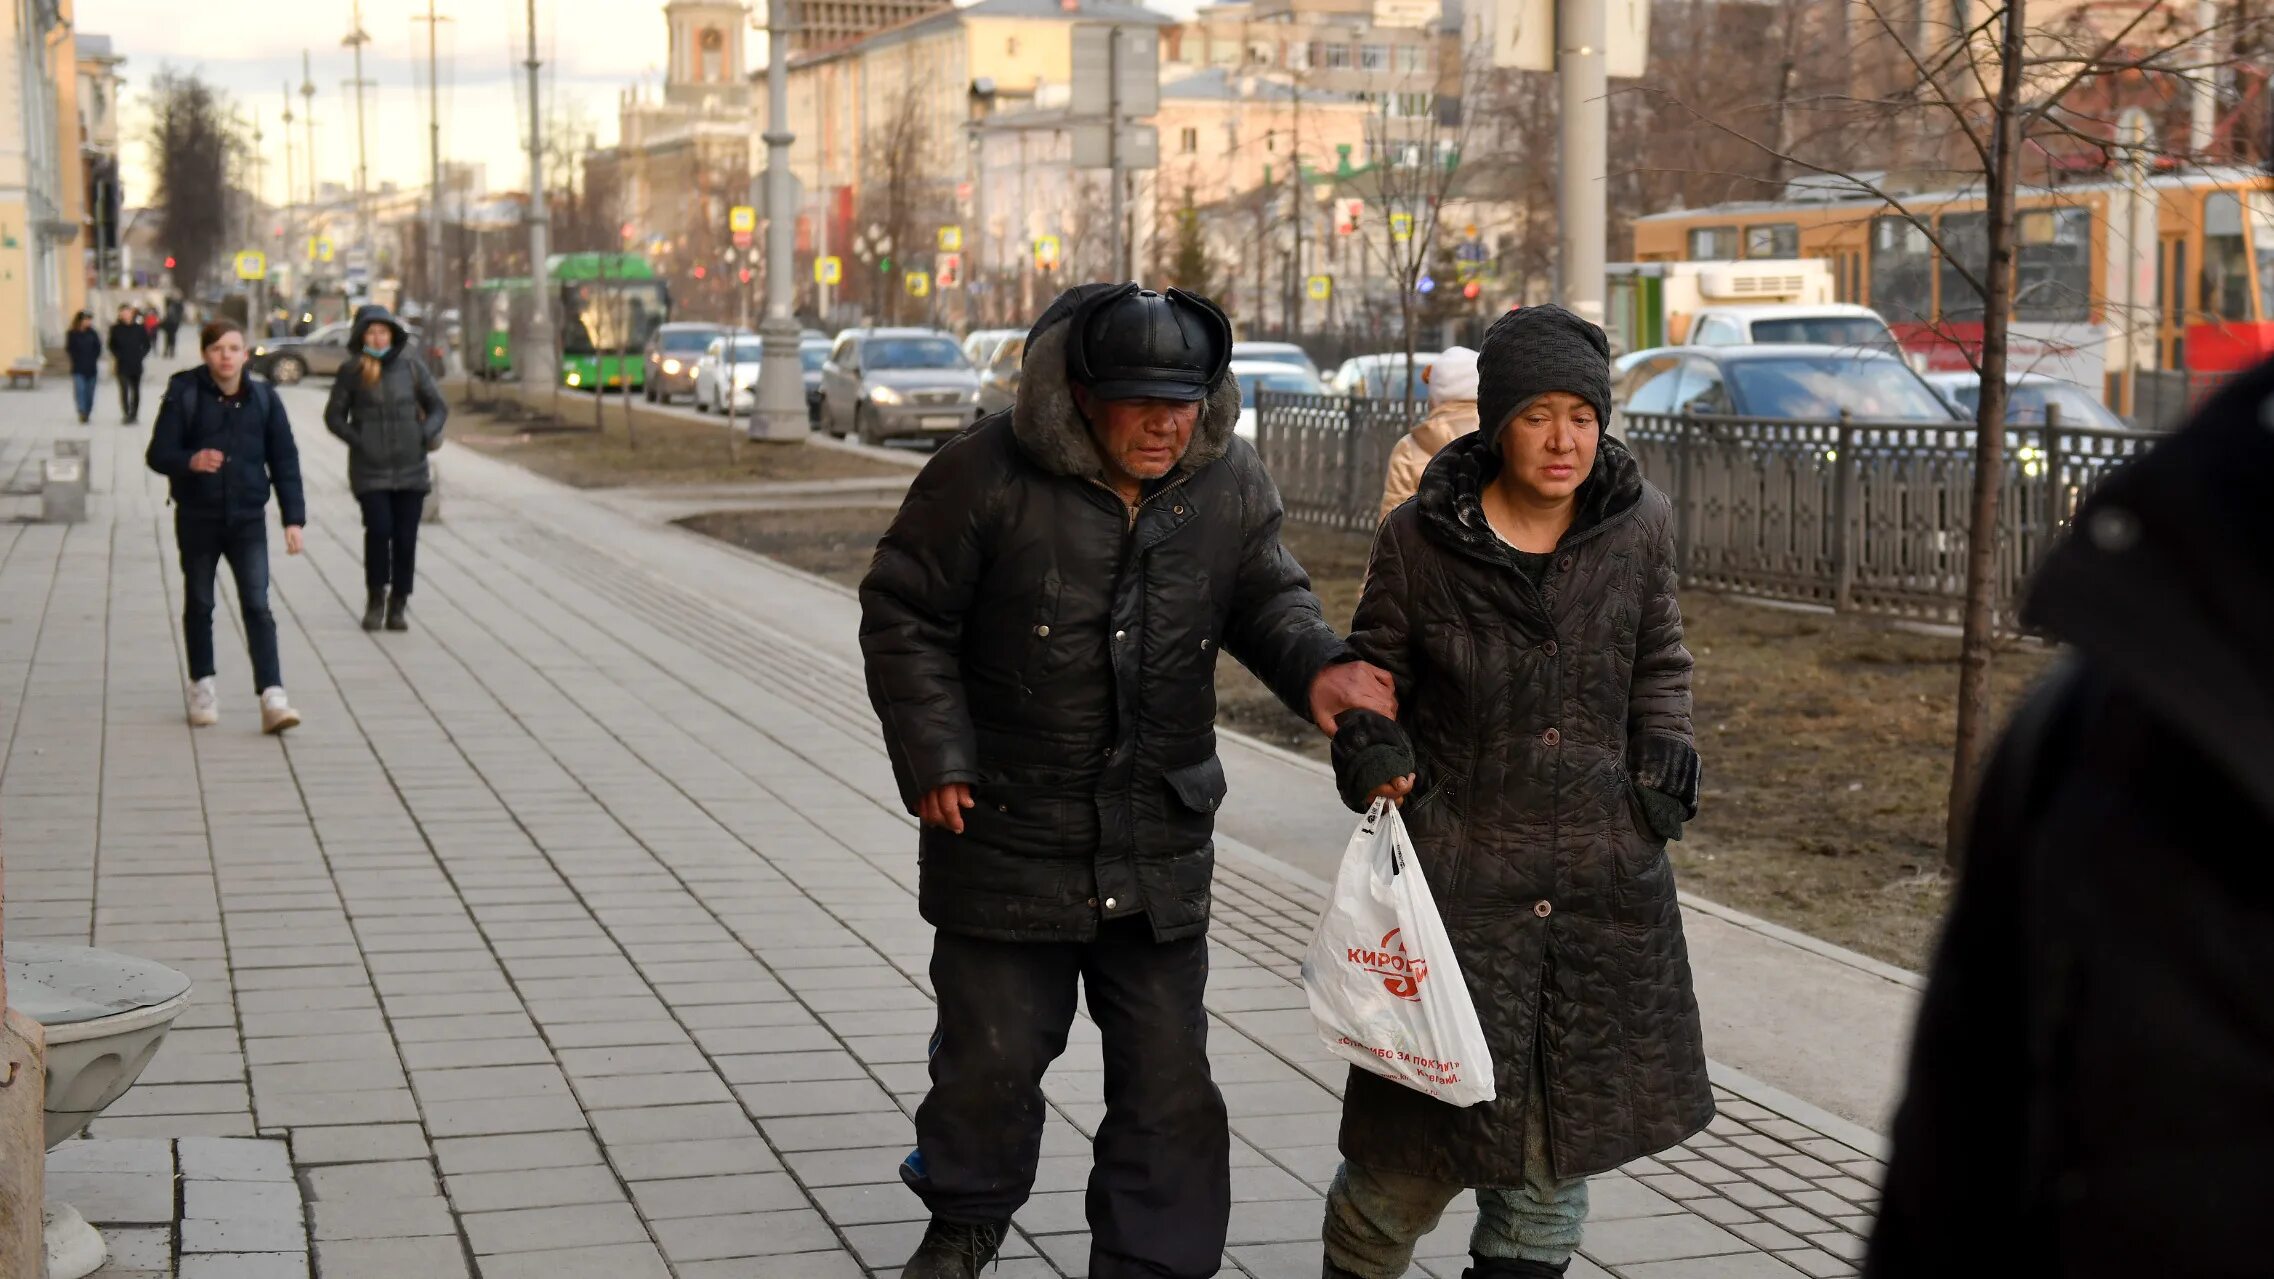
(83, 393)
(1375, 1217)
(204, 544)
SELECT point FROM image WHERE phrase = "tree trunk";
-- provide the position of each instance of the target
(1989, 441)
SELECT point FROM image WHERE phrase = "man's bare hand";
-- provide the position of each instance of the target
(1396, 791)
(207, 461)
(943, 806)
(294, 542)
(1351, 686)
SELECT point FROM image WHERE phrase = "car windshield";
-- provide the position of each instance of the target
(2027, 402)
(1270, 356)
(1818, 388)
(742, 351)
(812, 356)
(682, 340)
(1825, 330)
(912, 353)
(1293, 381)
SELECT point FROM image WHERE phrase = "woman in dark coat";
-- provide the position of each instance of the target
(388, 410)
(1524, 602)
(85, 347)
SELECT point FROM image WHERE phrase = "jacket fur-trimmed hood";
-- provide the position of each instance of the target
(1053, 431)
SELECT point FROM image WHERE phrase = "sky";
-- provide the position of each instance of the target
(593, 50)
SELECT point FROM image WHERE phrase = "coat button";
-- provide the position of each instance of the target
(1564, 564)
(1552, 737)
(1109, 752)
(1204, 645)
(1042, 632)
(1119, 636)
(1111, 903)
(1093, 903)
(1542, 909)
(1176, 510)
(1548, 648)
(1002, 808)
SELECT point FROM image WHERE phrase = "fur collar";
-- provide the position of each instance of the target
(1054, 433)
(1452, 496)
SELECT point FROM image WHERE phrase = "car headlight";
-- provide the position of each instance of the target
(671, 366)
(260, 350)
(884, 395)
(575, 378)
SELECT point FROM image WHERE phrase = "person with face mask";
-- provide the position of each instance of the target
(1041, 627)
(387, 409)
(1524, 602)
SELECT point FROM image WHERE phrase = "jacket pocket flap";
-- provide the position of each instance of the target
(1200, 786)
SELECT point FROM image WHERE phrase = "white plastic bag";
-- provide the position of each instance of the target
(1386, 990)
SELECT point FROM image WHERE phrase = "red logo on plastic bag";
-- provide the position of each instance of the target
(1401, 974)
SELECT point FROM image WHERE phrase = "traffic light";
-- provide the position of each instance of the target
(169, 261)
(884, 264)
(745, 274)
(701, 271)
(1472, 290)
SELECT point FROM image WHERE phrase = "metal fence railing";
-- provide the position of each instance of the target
(1857, 516)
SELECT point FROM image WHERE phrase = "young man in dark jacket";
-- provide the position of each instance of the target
(1041, 628)
(169, 322)
(387, 410)
(130, 344)
(85, 347)
(2092, 1083)
(222, 441)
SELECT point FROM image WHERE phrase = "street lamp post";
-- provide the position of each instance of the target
(781, 411)
(534, 361)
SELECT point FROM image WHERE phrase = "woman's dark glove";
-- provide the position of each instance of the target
(1662, 813)
(1370, 752)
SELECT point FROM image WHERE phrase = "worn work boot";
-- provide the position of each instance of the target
(954, 1250)
(276, 712)
(374, 610)
(1508, 1268)
(396, 618)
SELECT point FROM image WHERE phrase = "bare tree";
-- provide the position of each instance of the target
(899, 198)
(191, 144)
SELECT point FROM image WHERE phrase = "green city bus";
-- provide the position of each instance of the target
(491, 324)
(610, 304)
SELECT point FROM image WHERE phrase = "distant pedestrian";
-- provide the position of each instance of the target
(85, 347)
(1524, 601)
(1452, 414)
(222, 441)
(130, 345)
(1041, 627)
(2091, 1089)
(386, 407)
(169, 321)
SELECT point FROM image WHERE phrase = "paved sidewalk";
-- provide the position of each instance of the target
(574, 933)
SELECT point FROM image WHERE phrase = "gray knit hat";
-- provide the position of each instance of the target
(1534, 350)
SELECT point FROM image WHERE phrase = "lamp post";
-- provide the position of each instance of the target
(781, 414)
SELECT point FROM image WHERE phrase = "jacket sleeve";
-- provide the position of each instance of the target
(1406, 464)
(339, 416)
(913, 602)
(284, 465)
(434, 410)
(1276, 629)
(169, 451)
(1382, 630)
(1661, 750)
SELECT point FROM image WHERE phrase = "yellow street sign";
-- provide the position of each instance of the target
(1318, 287)
(951, 239)
(919, 284)
(742, 219)
(252, 264)
(1401, 227)
(1046, 250)
(828, 270)
(319, 249)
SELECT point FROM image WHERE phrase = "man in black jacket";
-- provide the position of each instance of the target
(130, 344)
(1041, 627)
(2092, 1086)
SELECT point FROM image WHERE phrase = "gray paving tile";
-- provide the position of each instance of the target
(229, 1200)
(237, 1265)
(1625, 1243)
(546, 1229)
(224, 1159)
(382, 1218)
(244, 1234)
(116, 1198)
(622, 1261)
(754, 1234)
(427, 1258)
(534, 1188)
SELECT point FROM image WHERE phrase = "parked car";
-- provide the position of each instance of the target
(1779, 382)
(1265, 375)
(727, 372)
(1275, 353)
(285, 361)
(999, 379)
(979, 346)
(673, 351)
(2027, 396)
(1828, 324)
(1382, 377)
(885, 384)
(812, 354)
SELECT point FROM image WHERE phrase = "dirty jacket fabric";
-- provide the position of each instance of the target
(390, 426)
(2091, 1087)
(1534, 713)
(1026, 633)
(255, 439)
(1409, 457)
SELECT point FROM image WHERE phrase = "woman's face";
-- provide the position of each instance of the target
(1549, 445)
(378, 338)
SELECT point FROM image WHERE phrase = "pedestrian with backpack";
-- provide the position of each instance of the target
(223, 442)
(387, 409)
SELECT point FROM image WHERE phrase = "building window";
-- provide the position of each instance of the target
(1373, 57)
(1337, 57)
(1261, 53)
(1223, 53)
(1409, 155)
(1775, 240)
(1188, 141)
(1412, 57)
(1408, 106)
(2053, 266)
(1299, 57)
(1713, 243)
(1902, 271)
(1010, 46)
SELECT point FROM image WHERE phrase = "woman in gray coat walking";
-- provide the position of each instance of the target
(387, 408)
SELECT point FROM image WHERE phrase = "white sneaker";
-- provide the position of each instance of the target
(276, 713)
(204, 703)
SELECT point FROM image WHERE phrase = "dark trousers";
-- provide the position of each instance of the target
(204, 544)
(390, 538)
(167, 331)
(1160, 1191)
(130, 394)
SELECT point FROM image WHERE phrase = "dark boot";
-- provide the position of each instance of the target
(954, 1250)
(1504, 1268)
(375, 610)
(396, 621)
